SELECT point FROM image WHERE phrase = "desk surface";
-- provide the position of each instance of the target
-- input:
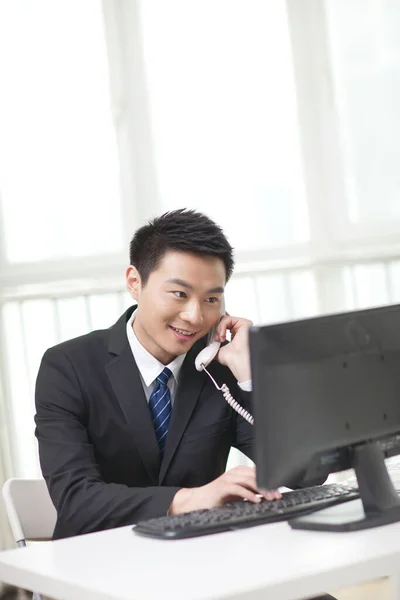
(268, 561)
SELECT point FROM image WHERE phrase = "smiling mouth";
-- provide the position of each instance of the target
(183, 331)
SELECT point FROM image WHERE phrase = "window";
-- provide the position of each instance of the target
(364, 40)
(223, 110)
(277, 118)
(59, 178)
(59, 192)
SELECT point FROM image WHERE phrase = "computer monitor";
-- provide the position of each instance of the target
(326, 397)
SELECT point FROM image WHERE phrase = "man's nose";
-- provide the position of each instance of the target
(193, 314)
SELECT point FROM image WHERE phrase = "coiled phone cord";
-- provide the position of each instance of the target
(230, 400)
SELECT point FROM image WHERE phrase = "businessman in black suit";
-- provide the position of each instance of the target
(98, 447)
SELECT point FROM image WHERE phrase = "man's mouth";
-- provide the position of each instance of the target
(183, 332)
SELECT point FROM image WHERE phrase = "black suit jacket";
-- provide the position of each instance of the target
(97, 446)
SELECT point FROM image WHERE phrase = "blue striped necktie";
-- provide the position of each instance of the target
(161, 407)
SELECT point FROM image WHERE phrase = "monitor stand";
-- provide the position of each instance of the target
(378, 505)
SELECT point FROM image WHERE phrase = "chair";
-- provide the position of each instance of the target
(30, 511)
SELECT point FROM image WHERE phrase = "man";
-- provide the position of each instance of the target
(99, 447)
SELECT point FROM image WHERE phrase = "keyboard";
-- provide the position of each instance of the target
(237, 515)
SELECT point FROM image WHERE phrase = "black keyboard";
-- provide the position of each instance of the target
(237, 515)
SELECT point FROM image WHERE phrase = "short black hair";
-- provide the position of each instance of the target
(184, 230)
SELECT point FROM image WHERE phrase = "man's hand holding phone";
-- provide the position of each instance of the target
(236, 354)
(236, 484)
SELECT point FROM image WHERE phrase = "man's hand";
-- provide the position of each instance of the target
(236, 484)
(236, 354)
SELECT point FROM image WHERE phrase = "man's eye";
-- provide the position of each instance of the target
(212, 300)
(179, 294)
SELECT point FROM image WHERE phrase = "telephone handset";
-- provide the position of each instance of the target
(208, 353)
(204, 358)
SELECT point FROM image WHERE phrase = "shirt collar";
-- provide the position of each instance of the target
(149, 367)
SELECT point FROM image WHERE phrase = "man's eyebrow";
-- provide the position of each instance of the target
(216, 290)
(180, 282)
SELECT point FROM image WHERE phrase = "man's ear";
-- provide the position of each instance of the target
(133, 282)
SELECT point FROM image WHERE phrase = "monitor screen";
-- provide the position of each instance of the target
(326, 397)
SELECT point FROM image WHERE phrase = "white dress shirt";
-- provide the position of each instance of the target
(150, 368)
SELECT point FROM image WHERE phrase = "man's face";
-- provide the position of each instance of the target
(179, 304)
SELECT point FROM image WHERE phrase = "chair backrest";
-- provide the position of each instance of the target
(30, 511)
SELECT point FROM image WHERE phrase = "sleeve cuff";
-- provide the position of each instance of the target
(246, 386)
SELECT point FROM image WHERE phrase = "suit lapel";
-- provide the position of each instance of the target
(188, 392)
(125, 380)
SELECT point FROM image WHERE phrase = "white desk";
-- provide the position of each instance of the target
(265, 562)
